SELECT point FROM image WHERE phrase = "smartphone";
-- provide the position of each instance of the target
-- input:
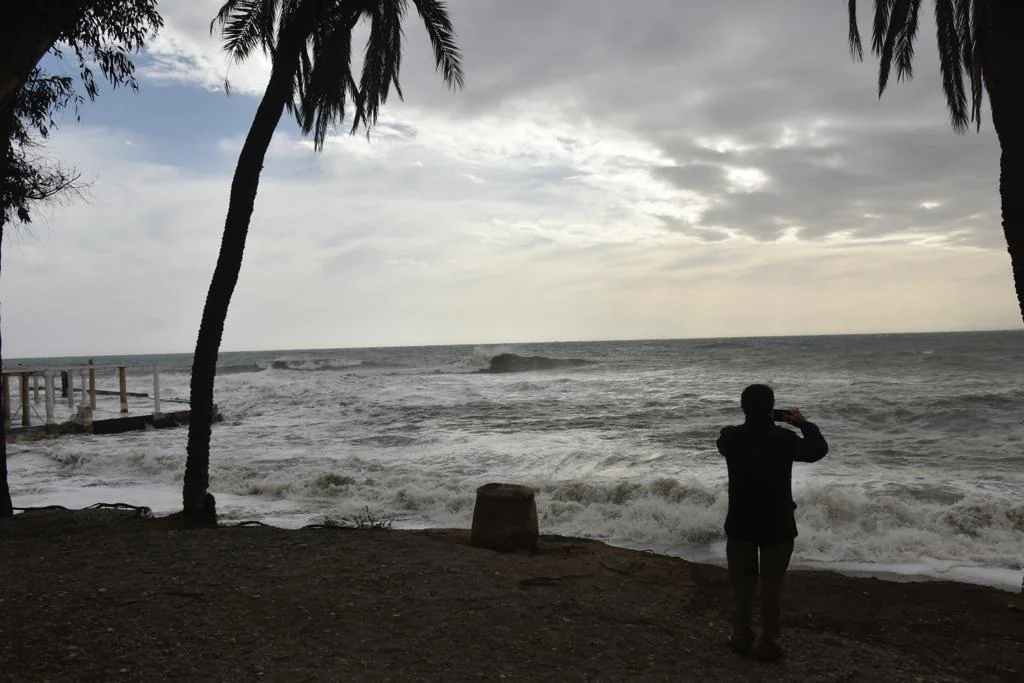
(780, 415)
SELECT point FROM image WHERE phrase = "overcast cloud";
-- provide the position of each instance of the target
(612, 170)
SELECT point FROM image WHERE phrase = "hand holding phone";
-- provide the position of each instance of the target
(796, 418)
(791, 416)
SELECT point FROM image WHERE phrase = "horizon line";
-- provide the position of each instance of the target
(524, 343)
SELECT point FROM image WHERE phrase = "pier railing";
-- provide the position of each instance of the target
(26, 381)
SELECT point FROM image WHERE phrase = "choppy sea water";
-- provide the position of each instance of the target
(923, 478)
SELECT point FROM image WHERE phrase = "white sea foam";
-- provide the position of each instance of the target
(623, 452)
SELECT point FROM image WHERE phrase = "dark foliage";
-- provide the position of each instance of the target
(980, 42)
(28, 176)
(97, 34)
(960, 35)
(106, 35)
(313, 38)
(100, 34)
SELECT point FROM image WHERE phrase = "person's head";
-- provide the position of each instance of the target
(757, 400)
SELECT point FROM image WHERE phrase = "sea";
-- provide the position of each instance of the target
(923, 479)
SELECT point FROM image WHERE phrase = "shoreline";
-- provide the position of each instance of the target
(1004, 579)
(1010, 581)
(1000, 578)
(106, 596)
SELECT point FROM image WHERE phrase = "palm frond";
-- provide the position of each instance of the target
(447, 56)
(303, 74)
(905, 43)
(896, 25)
(381, 60)
(226, 10)
(980, 18)
(950, 61)
(311, 41)
(856, 48)
(299, 13)
(880, 28)
(246, 25)
(372, 87)
(963, 30)
(327, 83)
(393, 60)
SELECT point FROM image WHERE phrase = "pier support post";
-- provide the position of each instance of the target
(81, 376)
(48, 389)
(92, 386)
(26, 410)
(71, 389)
(6, 398)
(122, 384)
(156, 391)
(35, 388)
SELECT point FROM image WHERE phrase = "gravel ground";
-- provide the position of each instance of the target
(101, 596)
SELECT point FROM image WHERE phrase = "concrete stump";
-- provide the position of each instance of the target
(504, 518)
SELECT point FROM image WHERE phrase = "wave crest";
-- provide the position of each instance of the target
(511, 362)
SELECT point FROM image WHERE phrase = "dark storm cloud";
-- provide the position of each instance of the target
(676, 73)
(628, 57)
(743, 77)
(870, 184)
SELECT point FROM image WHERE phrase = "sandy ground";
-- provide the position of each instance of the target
(105, 597)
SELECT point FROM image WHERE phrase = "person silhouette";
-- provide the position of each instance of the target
(760, 525)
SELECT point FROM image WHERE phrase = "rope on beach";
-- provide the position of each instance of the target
(142, 511)
(257, 523)
(43, 508)
(139, 510)
(329, 525)
(367, 519)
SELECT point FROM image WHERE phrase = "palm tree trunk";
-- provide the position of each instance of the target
(1004, 64)
(199, 505)
(6, 122)
(6, 506)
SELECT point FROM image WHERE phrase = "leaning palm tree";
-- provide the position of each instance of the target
(981, 42)
(309, 43)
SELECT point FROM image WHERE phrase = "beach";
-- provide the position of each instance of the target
(106, 596)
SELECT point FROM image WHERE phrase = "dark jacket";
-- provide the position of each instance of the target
(760, 456)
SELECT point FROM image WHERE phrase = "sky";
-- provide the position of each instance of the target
(611, 170)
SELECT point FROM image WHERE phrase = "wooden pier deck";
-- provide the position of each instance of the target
(72, 408)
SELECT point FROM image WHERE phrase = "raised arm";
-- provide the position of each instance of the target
(812, 447)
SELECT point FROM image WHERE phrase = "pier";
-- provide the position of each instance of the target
(73, 403)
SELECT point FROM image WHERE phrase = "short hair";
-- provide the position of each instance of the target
(757, 399)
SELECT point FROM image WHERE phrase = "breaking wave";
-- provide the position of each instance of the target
(326, 364)
(838, 523)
